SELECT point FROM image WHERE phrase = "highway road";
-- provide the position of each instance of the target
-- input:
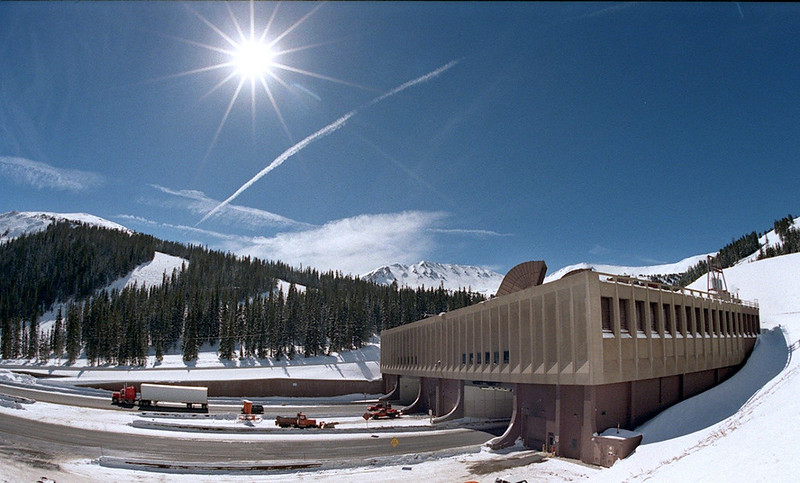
(290, 449)
(187, 448)
(60, 396)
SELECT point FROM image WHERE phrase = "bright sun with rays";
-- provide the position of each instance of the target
(254, 61)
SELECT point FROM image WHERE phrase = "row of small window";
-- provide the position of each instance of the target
(716, 322)
(407, 360)
(475, 358)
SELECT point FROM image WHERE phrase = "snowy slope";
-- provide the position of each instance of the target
(753, 415)
(773, 282)
(150, 274)
(769, 239)
(14, 224)
(431, 275)
(639, 272)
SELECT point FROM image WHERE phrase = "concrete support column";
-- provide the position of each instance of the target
(391, 387)
(514, 430)
(451, 394)
(426, 397)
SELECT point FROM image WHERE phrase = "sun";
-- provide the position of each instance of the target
(253, 59)
(254, 62)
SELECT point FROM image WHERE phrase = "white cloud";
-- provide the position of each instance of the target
(200, 204)
(353, 245)
(41, 175)
(462, 231)
(236, 241)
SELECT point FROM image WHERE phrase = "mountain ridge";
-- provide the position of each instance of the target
(433, 274)
(14, 224)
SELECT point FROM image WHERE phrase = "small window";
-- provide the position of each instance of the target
(479, 358)
(463, 359)
(667, 320)
(678, 320)
(654, 318)
(497, 357)
(640, 320)
(505, 357)
(471, 358)
(486, 358)
(698, 322)
(624, 326)
(605, 309)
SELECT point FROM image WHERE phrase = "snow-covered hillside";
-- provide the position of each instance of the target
(639, 272)
(431, 275)
(150, 274)
(14, 224)
(754, 414)
(769, 239)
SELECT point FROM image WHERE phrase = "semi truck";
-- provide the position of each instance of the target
(152, 394)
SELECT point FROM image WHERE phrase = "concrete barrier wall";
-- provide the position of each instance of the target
(487, 403)
(267, 387)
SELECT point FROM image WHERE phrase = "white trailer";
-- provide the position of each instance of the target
(189, 395)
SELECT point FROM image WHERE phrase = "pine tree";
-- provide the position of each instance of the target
(226, 341)
(33, 337)
(159, 350)
(44, 347)
(7, 341)
(58, 335)
(73, 334)
(190, 342)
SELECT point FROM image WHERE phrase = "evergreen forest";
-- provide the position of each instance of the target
(215, 298)
(739, 248)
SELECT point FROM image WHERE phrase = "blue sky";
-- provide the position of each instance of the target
(626, 134)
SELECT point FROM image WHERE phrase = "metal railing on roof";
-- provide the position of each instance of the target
(639, 282)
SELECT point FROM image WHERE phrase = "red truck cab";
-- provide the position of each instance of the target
(126, 395)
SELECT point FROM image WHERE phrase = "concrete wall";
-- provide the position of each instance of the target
(487, 403)
(268, 387)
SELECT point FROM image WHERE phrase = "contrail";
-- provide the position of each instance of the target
(324, 132)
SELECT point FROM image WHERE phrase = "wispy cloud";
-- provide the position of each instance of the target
(608, 10)
(41, 175)
(353, 245)
(325, 131)
(198, 203)
(238, 240)
(600, 250)
(461, 231)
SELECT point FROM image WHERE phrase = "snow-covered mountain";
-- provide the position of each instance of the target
(431, 275)
(638, 272)
(14, 224)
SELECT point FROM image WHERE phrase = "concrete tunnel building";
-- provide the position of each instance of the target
(569, 359)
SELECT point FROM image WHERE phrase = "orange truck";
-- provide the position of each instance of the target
(299, 421)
